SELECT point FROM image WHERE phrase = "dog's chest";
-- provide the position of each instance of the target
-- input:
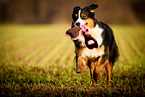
(96, 33)
(90, 53)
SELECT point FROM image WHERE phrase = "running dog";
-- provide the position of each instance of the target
(98, 52)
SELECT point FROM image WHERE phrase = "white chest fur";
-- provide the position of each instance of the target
(96, 33)
(91, 53)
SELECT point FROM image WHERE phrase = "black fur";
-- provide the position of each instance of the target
(75, 11)
(109, 42)
(93, 6)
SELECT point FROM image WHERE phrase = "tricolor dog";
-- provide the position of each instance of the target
(95, 47)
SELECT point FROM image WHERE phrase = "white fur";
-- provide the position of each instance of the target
(79, 19)
(97, 34)
(95, 52)
(82, 40)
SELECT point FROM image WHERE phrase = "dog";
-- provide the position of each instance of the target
(106, 51)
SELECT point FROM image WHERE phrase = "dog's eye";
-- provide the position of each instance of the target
(83, 16)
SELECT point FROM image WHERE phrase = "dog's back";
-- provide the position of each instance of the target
(110, 43)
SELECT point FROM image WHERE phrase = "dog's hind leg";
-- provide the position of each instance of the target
(94, 71)
(97, 70)
(109, 66)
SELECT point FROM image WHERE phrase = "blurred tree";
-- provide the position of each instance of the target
(54, 11)
(138, 7)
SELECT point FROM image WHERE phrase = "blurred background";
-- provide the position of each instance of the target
(59, 11)
(36, 58)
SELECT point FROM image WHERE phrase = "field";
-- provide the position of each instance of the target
(38, 60)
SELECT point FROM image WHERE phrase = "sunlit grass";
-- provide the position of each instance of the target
(39, 60)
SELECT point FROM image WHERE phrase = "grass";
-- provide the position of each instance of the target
(38, 60)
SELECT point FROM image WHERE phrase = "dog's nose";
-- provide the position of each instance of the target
(77, 24)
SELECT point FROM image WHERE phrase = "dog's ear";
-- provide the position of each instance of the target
(76, 9)
(93, 7)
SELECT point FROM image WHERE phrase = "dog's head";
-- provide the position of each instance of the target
(85, 16)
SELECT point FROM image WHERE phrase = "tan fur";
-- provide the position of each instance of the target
(83, 15)
(90, 23)
(76, 15)
(81, 63)
(87, 57)
(109, 70)
(91, 65)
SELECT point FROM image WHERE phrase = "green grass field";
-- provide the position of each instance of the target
(38, 60)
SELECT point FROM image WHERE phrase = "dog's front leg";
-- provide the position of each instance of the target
(91, 65)
(80, 64)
